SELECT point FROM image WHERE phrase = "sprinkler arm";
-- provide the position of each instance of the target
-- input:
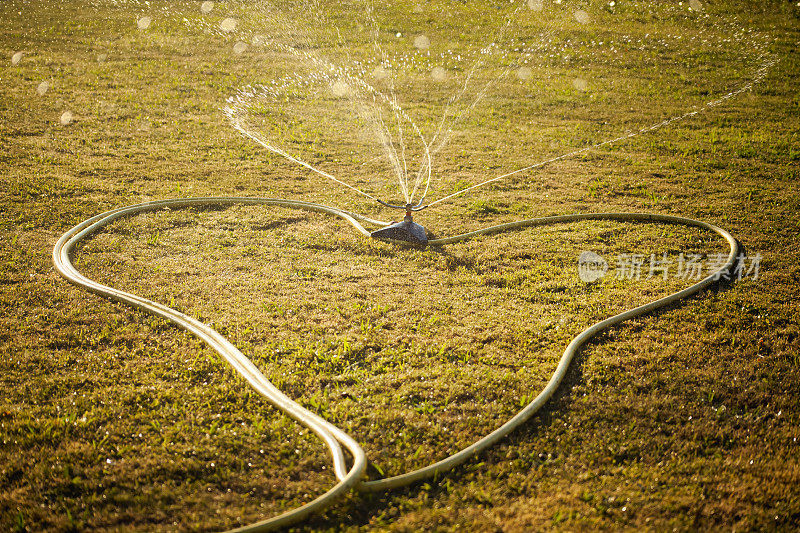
(408, 207)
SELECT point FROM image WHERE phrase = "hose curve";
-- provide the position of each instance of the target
(333, 437)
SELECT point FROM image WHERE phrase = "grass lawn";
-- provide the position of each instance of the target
(111, 419)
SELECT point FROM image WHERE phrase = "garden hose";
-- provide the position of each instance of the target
(332, 436)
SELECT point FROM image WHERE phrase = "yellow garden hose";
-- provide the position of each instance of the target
(333, 437)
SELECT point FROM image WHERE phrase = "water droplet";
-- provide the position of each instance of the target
(66, 118)
(398, 35)
(144, 22)
(239, 47)
(536, 5)
(580, 84)
(340, 89)
(524, 73)
(207, 6)
(16, 58)
(438, 74)
(380, 73)
(582, 16)
(228, 25)
(695, 5)
(421, 42)
(42, 88)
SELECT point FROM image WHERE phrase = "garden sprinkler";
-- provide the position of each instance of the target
(407, 230)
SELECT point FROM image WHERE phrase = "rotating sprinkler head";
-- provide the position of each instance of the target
(405, 231)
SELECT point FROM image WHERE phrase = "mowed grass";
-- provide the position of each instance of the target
(111, 419)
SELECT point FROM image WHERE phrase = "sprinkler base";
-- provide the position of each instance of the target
(406, 231)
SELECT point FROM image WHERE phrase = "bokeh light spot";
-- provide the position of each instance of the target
(536, 5)
(16, 58)
(421, 42)
(66, 118)
(207, 6)
(228, 25)
(41, 90)
(340, 89)
(438, 74)
(582, 16)
(144, 22)
(380, 73)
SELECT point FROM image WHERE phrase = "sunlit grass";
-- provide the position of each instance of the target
(112, 419)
